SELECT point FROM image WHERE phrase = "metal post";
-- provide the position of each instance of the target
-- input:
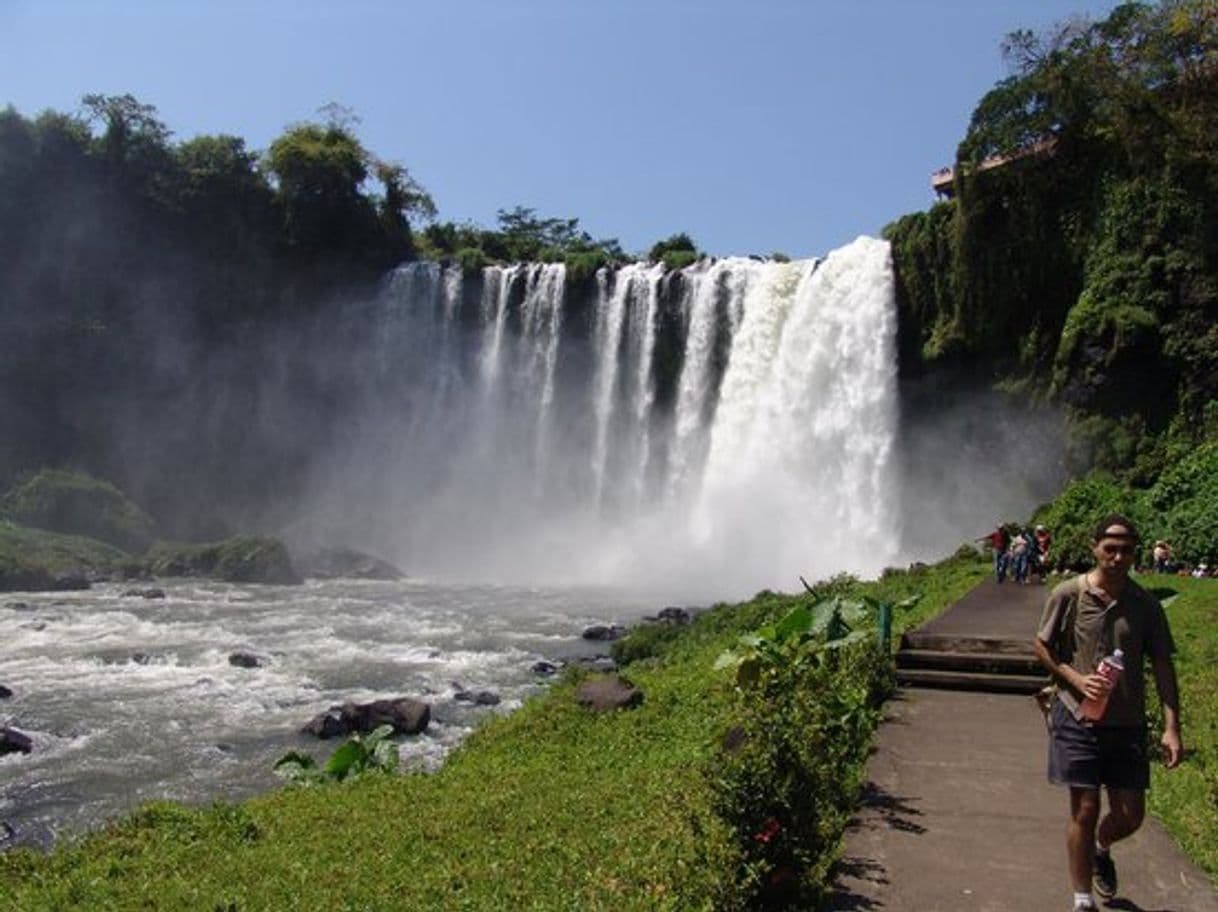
(885, 627)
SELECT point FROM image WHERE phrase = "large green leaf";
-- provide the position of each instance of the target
(797, 623)
(348, 759)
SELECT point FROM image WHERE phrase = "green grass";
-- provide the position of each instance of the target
(1186, 798)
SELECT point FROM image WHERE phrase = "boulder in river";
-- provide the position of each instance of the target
(150, 593)
(14, 742)
(245, 659)
(478, 697)
(407, 716)
(5, 693)
(544, 669)
(604, 633)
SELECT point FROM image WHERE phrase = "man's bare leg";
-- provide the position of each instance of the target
(1080, 835)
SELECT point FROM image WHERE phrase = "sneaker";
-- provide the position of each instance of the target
(1104, 878)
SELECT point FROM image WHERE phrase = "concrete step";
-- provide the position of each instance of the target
(989, 662)
(942, 642)
(973, 681)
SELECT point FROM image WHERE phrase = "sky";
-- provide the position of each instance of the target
(756, 127)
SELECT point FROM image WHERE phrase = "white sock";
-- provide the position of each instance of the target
(1084, 901)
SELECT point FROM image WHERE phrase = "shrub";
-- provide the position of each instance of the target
(1185, 502)
(471, 260)
(679, 259)
(75, 504)
(809, 689)
(1073, 515)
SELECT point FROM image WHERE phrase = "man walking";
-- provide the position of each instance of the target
(1085, 620)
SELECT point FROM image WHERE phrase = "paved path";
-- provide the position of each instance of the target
(958, 816)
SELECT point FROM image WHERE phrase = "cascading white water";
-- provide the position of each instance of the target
(715, 432)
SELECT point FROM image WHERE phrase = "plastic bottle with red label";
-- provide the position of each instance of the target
(1110, 669)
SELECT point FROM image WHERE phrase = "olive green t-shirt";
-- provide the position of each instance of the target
(1135, 623)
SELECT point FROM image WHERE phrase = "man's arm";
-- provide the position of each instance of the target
(1169, 695)
(1092, 685)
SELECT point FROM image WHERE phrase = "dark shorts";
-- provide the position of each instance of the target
(1089, 756)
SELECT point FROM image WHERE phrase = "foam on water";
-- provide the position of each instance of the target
(128, 699)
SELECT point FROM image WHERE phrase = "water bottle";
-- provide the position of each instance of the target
(1110, 670)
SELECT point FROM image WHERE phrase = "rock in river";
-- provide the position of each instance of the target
(14, 742)
(406, 715)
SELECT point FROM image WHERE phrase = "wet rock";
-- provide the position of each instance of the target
(545, 669)
(36, 626)
(677, 617)
(20, 606)
(5, 692)
(143, 658)
(14, 742)
(604, 633)
(8, 835)
(243, 659)
(407, 716)
(478, 698)
(70, 582)
(145, 593)
(608, 694)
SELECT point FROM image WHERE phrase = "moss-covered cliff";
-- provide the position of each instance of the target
(1079, 252)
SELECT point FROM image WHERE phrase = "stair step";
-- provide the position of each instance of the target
(991, 662)
(942, 642)
(966, 680)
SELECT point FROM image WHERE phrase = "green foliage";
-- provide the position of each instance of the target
(30, 559)
(582, 265)
(1185, 505)
(240, 559)
(1073, 515)
(1080, 249)
(522, 237)
(76, 504)
(644, 641)
(358, 755)
(472, 260)
(793, 763)
(675, 252)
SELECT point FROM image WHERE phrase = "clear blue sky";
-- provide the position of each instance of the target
(790, 125)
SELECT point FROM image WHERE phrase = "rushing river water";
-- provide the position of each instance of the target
(130, 699)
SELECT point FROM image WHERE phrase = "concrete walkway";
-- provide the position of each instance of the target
(958, 815)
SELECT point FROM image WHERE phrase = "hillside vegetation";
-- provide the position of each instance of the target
(1085, 268)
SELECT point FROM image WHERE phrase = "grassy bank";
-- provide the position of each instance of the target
(548, 808)
(1186, 799)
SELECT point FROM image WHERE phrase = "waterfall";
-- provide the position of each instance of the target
(725, 428)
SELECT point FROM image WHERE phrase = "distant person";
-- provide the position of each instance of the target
(998, 542)
(1161, 557)
(1044, 540)
(1084, 620)
(1021, 553)
(1201, 571)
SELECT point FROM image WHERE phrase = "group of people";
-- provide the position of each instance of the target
(1019, 552)
(1164, 561)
